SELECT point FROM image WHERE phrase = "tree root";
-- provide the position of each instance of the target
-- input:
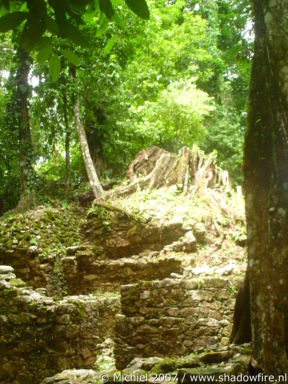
(154, 168)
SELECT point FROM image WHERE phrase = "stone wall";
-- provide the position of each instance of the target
(117, 235)
(84, 273)
(173, 317)
(27, 265)
(83, 270)
(40, 336)
(115, 249)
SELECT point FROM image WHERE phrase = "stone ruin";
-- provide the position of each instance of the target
(173, 317)
(123, 279)
(41, 336)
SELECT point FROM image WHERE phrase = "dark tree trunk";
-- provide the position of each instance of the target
(241, 332)
(266, 186)
(22, 111)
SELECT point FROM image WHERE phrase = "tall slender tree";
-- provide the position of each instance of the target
(87, 159)
(67, 143)
(21, 96)
(94, 181)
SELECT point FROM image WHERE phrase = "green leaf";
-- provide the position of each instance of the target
(12, 20)
(6, 4)
(110, 44)
(54, 67)
(139, 7)
(78, 6)
(43, 41)
(121, 24)
(44, 53)
(60, 15)
(32, 33)
(107, 8)
(71, 56)
(103, 25)
(52, 26)
(74, 34)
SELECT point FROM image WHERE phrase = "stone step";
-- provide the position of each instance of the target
(85, 274)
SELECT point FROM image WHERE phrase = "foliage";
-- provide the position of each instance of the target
(57, 18)
(226, 136)
(176, 118)
(9, 166)
(134, 80)
(40, 21)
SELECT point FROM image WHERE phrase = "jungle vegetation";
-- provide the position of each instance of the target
(179, 78)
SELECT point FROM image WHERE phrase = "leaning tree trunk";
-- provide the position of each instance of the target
(89, 166)
(266, 186)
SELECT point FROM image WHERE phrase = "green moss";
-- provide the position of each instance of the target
(80, 309)
(50, 229)
(169, 364)
(58, 267)
(6, 292)
(17, 282)
(33, 304)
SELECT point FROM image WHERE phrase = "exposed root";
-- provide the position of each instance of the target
(190, 170)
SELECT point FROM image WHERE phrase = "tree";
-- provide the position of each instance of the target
(266, 186)
(183, 41)
(89, 166)
(17, 118)
(231, 25)
(43, 19)
(128, 63)
(22, 92)
(176, 118)
(9, 150)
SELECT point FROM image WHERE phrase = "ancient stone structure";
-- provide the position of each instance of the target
(83, 273)
(119, 234)
(116, 248)
(44, 330)
(40, 336)
(27, 264)
(173, 317)
(222, 364)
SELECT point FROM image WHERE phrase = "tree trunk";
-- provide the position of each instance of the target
(25, 142)
(89, 166)
(241, 332)
(266, 186)
(67, 145)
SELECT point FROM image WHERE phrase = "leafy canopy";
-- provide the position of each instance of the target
(41, 20)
